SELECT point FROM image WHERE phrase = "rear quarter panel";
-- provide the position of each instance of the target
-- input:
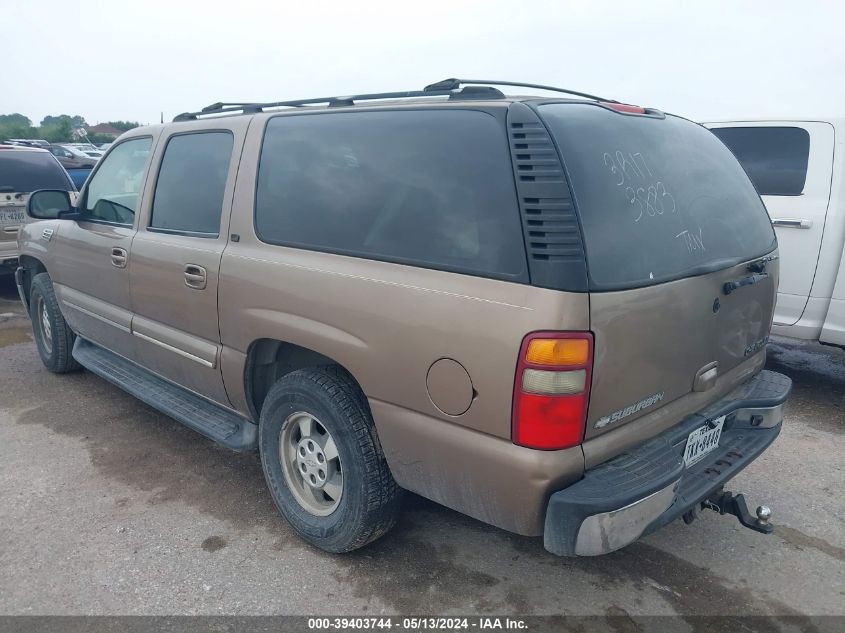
(387, 324)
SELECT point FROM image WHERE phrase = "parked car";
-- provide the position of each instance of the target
(31, 142)
(84, 150)
(70, 158)
(22, 171)
(797, 166)
(387, 294)
(79, 175)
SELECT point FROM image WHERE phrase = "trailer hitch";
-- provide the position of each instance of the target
(725, 502)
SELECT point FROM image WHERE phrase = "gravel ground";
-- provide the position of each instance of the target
(109, 507)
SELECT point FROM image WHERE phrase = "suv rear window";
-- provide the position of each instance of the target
(24, 171)
(775, 158)
(430, 188)
(658, 198)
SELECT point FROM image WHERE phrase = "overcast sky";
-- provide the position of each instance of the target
(120, 60)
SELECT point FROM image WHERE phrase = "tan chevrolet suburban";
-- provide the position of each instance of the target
(547, 313)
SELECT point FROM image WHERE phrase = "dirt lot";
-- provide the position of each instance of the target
(109, 507)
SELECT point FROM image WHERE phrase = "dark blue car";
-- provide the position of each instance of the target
(78, 175)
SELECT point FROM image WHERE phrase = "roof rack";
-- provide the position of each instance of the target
(454, 84)
(472, 89)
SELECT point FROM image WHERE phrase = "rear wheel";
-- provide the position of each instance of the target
(53, 337)
(323, 462)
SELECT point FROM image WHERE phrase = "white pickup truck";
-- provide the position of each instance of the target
(797, 166)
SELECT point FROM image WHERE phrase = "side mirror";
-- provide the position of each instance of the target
(49, 204)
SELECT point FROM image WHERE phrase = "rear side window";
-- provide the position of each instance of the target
(430, 188)
(775, 158)
(191, 182)
(24, 171)
(658, 198)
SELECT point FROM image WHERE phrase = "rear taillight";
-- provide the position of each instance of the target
(552, 389)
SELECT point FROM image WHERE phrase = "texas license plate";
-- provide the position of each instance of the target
(12, 216)
(702, 441)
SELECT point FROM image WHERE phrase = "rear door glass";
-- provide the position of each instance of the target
(23, 171)
(658, 198)
(775, 158)
(191, 181)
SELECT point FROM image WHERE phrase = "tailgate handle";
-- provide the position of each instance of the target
(730, 286)
(705, 378)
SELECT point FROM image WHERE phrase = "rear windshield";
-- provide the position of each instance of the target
(775, 158)
(658, 198)
(27, 171)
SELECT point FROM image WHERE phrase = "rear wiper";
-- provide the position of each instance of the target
(6, 188)
(730, 286)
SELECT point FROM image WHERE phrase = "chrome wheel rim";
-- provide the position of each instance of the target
(311, 463)
(44, 326)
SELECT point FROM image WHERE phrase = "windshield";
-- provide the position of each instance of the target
(27, 171)
(658, 198)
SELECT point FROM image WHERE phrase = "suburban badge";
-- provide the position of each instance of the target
(629, 410)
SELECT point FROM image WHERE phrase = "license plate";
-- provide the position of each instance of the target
(702, 441)
(12, 216)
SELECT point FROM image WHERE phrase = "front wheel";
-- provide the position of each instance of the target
(53, 336)
(323, 462)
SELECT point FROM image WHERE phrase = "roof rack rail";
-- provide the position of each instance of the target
(448, 87)
(230, 108)
(454, 84)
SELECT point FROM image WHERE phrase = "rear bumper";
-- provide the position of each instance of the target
(647, 487)
(8, 253)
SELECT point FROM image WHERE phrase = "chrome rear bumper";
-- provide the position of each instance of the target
(649, 486)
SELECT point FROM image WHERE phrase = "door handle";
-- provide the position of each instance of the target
(118, 257)
(195, 277)
(792, 223)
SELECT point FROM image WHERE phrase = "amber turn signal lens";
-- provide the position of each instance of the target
(558, 352)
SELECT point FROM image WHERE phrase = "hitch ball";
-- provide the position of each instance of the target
(764, 513)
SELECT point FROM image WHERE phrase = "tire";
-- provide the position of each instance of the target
(53, 336)
(369, 501)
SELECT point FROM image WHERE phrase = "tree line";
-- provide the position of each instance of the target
(63, 128)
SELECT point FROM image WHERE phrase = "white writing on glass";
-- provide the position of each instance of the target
(694, 242)
(647, 196)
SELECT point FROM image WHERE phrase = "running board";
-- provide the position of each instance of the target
(213, 421)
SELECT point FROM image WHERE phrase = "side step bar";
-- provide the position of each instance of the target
(213, 421)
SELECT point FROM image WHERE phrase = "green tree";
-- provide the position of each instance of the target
(59, 129)
(15, 126)
(123, 126)
(75, 120)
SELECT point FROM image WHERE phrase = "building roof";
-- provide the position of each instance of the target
(105, 128)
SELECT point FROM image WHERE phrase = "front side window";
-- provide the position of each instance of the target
(429, 188)
(775, 158)
(113, 192)
(191, 182)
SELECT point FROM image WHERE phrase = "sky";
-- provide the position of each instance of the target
(705, 60)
